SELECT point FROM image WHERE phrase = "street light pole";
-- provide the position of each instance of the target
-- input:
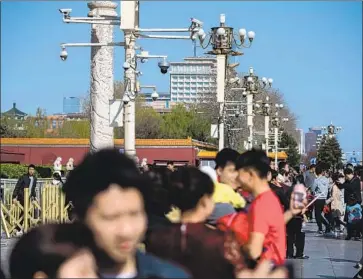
(250, 119)
(221, 38)
(129, 108)
(276, 135)
(267, 132)
(221, 77)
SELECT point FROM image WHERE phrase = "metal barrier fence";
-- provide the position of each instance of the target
(48, 207)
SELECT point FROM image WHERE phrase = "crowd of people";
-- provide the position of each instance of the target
(242, 219)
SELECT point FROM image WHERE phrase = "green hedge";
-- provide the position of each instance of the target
(15, 171)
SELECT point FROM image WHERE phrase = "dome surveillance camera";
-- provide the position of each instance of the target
(126, 99)
(164, 66)
(63, 54)
(126, 66)
(237, 114)
(154, 96)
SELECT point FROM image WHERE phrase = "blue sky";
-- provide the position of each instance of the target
(312, 50)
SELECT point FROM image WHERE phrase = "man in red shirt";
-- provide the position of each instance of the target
(267, 221)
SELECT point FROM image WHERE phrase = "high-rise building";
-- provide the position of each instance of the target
(193, 80)
(301, 143)
(71, 105)
(312, 139)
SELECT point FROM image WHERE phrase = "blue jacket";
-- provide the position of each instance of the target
(149, 266)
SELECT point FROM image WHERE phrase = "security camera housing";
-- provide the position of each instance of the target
(164, 66)
(126, 66)
(63, 55)
(65, 12)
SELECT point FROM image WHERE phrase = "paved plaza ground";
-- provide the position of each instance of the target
(329, 257)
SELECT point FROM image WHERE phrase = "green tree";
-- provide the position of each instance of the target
(75, 129)
(288, 141)
(36, 127)
(329, 151)
(183, 122)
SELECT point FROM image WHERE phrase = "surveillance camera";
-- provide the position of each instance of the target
(126, 66)
(126, 99)
(237, 114)
(63, 54)
(196, 21)
(154, 96)
(164, 66)
(143, 60)
(65, 12)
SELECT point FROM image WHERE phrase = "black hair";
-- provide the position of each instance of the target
(282, 165)
(47, 247)
(170, 163)
(274, 174)
(312, 166)
(158, 199)
(283, 172)
(348, 171)
(96, 173)
(320, 168)
(187, 186)
(226, 156)
(31, 166)
(256, 160)
(349, 165)
(299, 179)
(336, 176)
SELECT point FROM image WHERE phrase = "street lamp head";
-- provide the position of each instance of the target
(251, 35)
(201, 35)
(267, 105)
(250, 71)
(63, 54)
(242, 34)
(281, 106)
(222, 19)
(264, 80)
(154, 95)
(285, 119)
(270, 81)
(221, 31)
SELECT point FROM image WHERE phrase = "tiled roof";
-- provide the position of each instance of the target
(139, 142)
(14, 112)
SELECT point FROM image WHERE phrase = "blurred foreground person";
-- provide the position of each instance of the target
(54, 251)
(108, 191)
(191, 243)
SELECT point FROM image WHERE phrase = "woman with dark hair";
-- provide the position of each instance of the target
(336, 203)
(191, 243)
(54, 251)
(157, 201)
(295, 235)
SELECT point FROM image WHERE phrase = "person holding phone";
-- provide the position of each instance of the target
(295, 235)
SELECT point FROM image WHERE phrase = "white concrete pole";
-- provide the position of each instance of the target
(102, 79)
(130, 79)
(221, 78)
(276, 130)
(267, 131)
(250, 119)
